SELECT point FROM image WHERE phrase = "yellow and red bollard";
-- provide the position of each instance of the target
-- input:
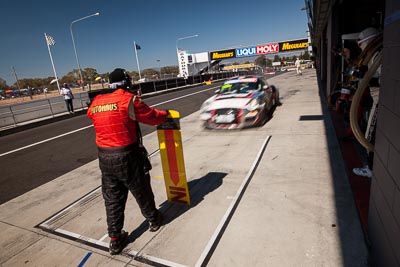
(171, 151)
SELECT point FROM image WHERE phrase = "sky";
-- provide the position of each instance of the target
(105, 42)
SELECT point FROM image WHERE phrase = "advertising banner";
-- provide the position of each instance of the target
(183, 64)
(267, 49)
(173, 165)
(246, 52)
(190, 59)
(201, 57)
(293, 45)
(223, 54)
(263, 49)
(241, 66)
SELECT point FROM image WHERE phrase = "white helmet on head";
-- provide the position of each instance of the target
(367, 34)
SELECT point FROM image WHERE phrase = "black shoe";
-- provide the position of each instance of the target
(118, 244)
(154, 226)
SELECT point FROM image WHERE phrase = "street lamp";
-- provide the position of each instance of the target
(182, 38)
(159, 65)
(73, 43)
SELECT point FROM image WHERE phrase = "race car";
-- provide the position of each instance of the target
(240, 102)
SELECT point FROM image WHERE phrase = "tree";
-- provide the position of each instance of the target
(269, 62)
(306, 55)
(261, 61)
(134, 75)
(103, 77)
(3, 84)
(71, 77)
(89, 74)
(149, 73)
(170, 70)
(89, 77)
(35, 82)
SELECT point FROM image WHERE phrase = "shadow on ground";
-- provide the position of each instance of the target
(198, 189)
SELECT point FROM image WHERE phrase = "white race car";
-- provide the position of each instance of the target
(240, 102)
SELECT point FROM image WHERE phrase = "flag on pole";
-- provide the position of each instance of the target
(137, 47)
(50, 40)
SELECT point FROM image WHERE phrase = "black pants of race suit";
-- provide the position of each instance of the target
(122, 171)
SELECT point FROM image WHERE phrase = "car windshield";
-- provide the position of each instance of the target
(241, 88)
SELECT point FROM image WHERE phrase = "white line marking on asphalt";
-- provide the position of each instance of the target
(207, 252)
(74, 131)
(46, 140)
(183, 96)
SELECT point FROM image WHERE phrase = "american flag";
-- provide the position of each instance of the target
(50, 40)
(138, 47)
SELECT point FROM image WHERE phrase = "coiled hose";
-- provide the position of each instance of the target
(362, 85)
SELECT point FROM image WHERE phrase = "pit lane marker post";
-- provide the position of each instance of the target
(173, 165)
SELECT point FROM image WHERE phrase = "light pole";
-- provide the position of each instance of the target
(73, 43)
(159, 65)
(182, 38)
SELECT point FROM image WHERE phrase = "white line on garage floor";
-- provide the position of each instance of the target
(209, 249)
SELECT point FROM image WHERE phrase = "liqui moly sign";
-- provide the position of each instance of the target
(257, 50)
(267, 49)
(246, 52)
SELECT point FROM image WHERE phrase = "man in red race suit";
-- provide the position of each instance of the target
(115, 116)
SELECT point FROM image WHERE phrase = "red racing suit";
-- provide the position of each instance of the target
(110, 116)
(121, 163)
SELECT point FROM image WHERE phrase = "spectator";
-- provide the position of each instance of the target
(68, 97)
(298, 65)
(370, 46)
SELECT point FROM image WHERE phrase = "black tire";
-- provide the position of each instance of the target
(277, 101)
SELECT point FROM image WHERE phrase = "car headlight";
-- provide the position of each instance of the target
(205, 113)
(204, 106)
(253, 105)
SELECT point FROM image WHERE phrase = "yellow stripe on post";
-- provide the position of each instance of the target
(172, 160)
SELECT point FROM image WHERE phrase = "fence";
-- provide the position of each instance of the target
(160, 85)
(12, 115)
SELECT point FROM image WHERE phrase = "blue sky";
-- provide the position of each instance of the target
(105, 42)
